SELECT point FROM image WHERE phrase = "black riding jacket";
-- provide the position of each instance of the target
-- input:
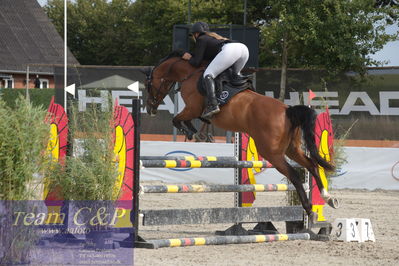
(206, 48)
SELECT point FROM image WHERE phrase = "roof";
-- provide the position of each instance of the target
(114, 81)
(100, 77)
(28, 37)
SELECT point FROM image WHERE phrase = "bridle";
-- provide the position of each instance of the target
(157, 97)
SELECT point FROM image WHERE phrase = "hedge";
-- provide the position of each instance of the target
(38, 97)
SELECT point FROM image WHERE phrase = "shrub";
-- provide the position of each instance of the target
(38, 97)
(23, 137)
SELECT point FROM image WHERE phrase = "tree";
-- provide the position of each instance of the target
(125, 32)
(154, 25)
(336, 35)
(381, 3)
(99, 32)
(156, 19)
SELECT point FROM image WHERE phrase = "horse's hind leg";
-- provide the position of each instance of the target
(279, 162)
(295, 153)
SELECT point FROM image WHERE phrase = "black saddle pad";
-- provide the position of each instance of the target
(227, 86)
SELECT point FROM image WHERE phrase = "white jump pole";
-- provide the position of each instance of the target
(65, 55)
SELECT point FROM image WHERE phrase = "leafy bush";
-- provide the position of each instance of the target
(23, 136)
(38, 97)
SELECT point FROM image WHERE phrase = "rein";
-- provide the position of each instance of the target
(169, 69)
(191, 74)
(150, 77)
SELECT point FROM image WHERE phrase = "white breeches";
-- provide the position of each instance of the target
(232, 54)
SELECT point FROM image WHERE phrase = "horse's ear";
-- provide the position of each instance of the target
(146, 71)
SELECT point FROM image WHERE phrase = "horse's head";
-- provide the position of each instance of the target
(158, 86)
(153, 98)
(159, 81)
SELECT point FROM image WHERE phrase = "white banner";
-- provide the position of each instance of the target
(369, 168)
(366, 168)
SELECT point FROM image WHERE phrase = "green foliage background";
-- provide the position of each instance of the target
(38, 97)
(336, 35)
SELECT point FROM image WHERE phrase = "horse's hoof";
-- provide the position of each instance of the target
(313, 217)
(333, 202)
(189, 136)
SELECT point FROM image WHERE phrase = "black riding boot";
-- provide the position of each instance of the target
(212, 106)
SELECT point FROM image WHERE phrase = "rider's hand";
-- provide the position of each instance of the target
(186, 56)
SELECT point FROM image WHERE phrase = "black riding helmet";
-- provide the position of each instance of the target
(200, 27)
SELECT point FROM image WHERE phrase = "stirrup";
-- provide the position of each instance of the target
(241, 76)
(210, 111)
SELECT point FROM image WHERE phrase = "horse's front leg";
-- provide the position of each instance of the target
(190, 126)
(184, 129)
(185, 116)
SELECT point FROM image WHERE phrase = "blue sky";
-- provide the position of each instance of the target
(389, 53)
(42, 2)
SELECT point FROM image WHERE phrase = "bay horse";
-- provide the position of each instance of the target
(275, 127)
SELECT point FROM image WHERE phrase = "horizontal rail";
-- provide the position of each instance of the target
(204, 164)
(189, 188)
(222, 215)
(190, 158)
(224, 240)
(219, 163)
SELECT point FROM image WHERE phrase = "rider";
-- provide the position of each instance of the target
(222, 52)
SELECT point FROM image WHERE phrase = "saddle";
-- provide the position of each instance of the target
(227, 85)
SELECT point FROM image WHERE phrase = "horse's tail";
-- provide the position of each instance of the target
(305, 117)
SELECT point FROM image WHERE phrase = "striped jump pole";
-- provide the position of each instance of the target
(191, 188)
(190, 158)
(204, 164)
(224, 240)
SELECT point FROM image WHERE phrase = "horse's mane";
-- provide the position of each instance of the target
(175, 53)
